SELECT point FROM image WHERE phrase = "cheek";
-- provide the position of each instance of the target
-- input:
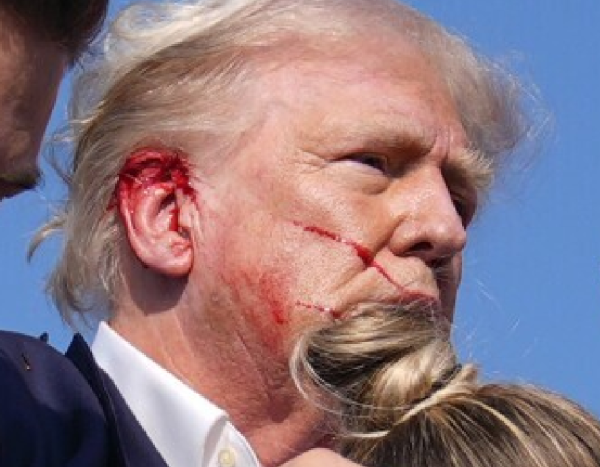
(264, 296)
(278, 273)
(266, 293)
(250, 272)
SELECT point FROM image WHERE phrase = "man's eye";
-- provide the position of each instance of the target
(376, 161)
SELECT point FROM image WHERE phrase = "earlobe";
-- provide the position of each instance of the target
(154, 211)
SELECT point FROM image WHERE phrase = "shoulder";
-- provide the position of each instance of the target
(13, 344)
(32, 362)
(47, 410)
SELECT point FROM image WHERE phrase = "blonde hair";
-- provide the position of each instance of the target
(402, 400)
(169, 70)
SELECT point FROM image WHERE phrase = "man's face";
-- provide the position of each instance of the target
(30, 72)
(355, 187)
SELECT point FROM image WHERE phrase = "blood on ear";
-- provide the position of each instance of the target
(157, 167)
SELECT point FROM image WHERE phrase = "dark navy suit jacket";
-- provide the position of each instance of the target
(64, 411)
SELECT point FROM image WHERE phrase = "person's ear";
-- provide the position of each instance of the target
(154, 198)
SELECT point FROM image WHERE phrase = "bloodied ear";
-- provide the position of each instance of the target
(151, 196)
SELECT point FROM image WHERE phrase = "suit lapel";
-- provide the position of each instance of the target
(130, 446)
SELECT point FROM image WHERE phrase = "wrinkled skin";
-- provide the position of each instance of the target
(30, 72)
(340, 196)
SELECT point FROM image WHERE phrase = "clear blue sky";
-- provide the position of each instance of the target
(530, 303)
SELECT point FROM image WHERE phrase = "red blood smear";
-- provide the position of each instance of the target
(323, 309)
(270, 289)
(362, 252)
(278, 315)
(379, 268)
(146, 167)
(368, 259)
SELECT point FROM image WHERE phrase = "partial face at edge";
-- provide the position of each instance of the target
(354, 188)
(30, 73)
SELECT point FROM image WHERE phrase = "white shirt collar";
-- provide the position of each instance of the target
(186, 428)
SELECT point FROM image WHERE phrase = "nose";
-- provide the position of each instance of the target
(429, 226)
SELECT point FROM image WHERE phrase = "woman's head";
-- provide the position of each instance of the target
(403, 400)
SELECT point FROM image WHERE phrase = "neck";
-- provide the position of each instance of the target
(218, 360)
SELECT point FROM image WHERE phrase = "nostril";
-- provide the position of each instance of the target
(441, 262)
(432, 256)
(421, 247)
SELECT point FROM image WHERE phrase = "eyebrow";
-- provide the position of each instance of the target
(466, 166)
(471, 166)
(382, 133)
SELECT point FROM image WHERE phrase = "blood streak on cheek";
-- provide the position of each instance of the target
(361, 251)
(153, 167)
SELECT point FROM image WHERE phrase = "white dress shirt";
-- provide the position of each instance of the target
(187, 429)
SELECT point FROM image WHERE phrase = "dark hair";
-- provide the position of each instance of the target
(71, 23)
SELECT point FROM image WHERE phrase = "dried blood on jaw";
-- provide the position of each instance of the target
(270, 292)
(271, 286)
(153, 167)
